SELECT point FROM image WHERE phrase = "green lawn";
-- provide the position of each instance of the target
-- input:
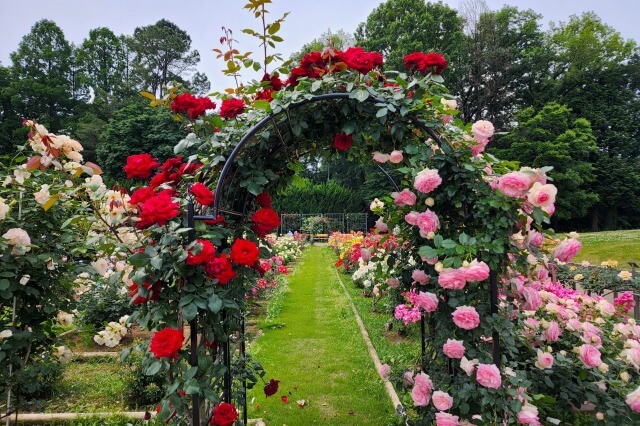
(623, 246)
(318, 355)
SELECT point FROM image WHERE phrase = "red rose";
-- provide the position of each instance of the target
(295, 74)
(224, 415)
(194, 106)
(171, 169)
(274, 82)
(217, 221)
(189, 168)
(202, 194)
(265, 221)
(414, 61)
(342, 142)
(206, 253)
(435, 63)
(166, 343)
(265, 95)
(264, 200)
(140, 166)
(158, 210)
(271, 388)
(231, 108)
(152, 292)
(141, 195)
(357, 59)
(157, 180)
(244, 252)
(220, 268)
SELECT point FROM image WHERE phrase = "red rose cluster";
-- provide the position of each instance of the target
(140, 166)
(191, 105)
(425, 62)
(264, 221)
(172, 170)
(231, 108)
(316, 64)
(224, 414)
(202, 194)
(166, 343)
(158, 210)
(270, 84)
(152, 290)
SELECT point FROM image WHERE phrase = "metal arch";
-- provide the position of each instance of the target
(266, 120)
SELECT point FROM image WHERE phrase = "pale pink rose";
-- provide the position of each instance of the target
(545, 360)
(479, 148)
(427, 180)
(19, 239)
(514, 184)
(488, 375)
(408, 378)
(434, 260)
(420, 276)
(552, 332)
(534, 238)
(396, 156)
(550, 210)
(631, 357)
(380, 157)
(381, 226)
(393, 282)
(365, 254)
(589, 355)
(592, 339)
(633, 400)
(384, 371)
(446, 419)
(482, 129)
(446, 119)
(476, 271)
(452, 279)
(532, 299)
(466, 317)
(442, 400)
(567, 249)
(427, 301)
(468, 366)
(542, 195)
(535, 175)
(528, 415)
(428, 222)
(411, 218)
(404, 198)
(422, 387)
(453, 348)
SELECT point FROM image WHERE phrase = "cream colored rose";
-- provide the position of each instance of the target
(4, 209)
(19, 239)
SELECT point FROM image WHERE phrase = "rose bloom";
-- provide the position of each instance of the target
(534, 238)
(224, 414)
(380, 157)
(231, 108)
(446, 419)
(633, 400)
(427, 180)
(545, 360)
(421, 392)
(202, 194)
(381, 225)
(488, 375)
(220, 268)
(271, 388)
(192, 105)
(19, 239)
(625, 275)
(425, 300)
(476, 271)
(166, 343)
(482, 130)
(540, 195)
(552, 332)
(442, 400)
(264, 200)
(141, 195)
(4, 209)
(466, 317)
(514, 184)
(411, 218)
(468, 366)
(404, 198)
(532, 299)
(384, 371)
(453, 348)
(589, 355)
(158, 210)
(207, 251)
(244, 252)
(567, 249)
(420, 276)
(427, 221)
(342, 141)
(396, 157)
(140, 166)
(363, 62)
(264, 221)
(452, 279)
(528, 415)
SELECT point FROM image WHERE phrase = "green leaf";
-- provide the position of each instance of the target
(192, 389)
(360, 94)
(189, 311)
(262, 104)
(382, 112)
(4, 284)
(153, 368)
(273, 28)
(215, 303)
(316, 85)
(254, 188)
(139, 259)
(449, 244)
(191, 373)
(428, 252)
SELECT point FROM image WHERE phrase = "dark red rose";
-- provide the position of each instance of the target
(217, 221)
(357, 59)
(171, 170)
(202, 194)
(152, 292)
(194, 106)
(435, 63)
(312, 59)
(220, 268)
(224, 414)
(141, 195)
(342, 142)
(189, 168)
(140, 166)
(207, 251)
(264, 200)
(158, 210)
(166, 343)
(271, 388)
(231, 108)
(414, 61)
(265, 95)
(265, 221)
(274, 82)
(244, 252)
(158, 180)
(295, 74)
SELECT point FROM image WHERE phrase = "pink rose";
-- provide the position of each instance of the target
(427, 222)
(544, 361)
(442, 400)
(422, 387)
(514, 184)
(365, 254)
(396, 156)
(468, 366)
(476, 271)
(532, 299)
(19, 239)
(488, 376)
(552, 332)
(482, 129)
(384, 371)
(407, 378)
(381, 226)
(550, 210)
(453, 348)
(420, 277)
(633, 400)
(589, 355)
(404, 198)
(411, 218)
(425, 300)
(542, 195)
(427, 180)
(478, 148)
(452, 279)
(534, 238)
(631, 357)
(567, 249)
(393, 282)
(466, 317)
(380, 157)
(528, 415)
(446, 419)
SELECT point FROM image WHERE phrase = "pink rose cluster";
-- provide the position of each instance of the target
(466, 317)
(407, 314)
(625, 302)
(530, 184)
(394, 157)
(457, 279)
(567, 249)
(426, 301)
(422, 389)
(427, 180)
(426, 221)
(482, 131)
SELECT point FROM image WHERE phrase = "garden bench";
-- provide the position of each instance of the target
(321, 237)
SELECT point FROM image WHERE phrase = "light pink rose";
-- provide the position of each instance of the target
(396, 156)
(393, 282)
(528, 415)
(541, 195)
(488, 375)
(567, 249)
(434, 260)
(442, 400)
(452, 279)
(544, 360)
(408, 378)
(380, 157)
(633, 400)
(514, 184)
(468, 366)
(552, 332)
(482, 129)
(422, 387)
(476, 271)
(532, 299)
(427, 301)
(19, 239)
(466, 317)
(589, 355)
(411, 218)
(420, 276)
(381, 226)
(534, 238)
(365, 254)
(384, 371)
(446, 419)
(428, 222)
(446, 118)
(404, 198)
(550, 210)
(453, 348)
(631, 357)
(479, 147)
(427, 180)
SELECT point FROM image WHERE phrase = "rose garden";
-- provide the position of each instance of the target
(504, 328)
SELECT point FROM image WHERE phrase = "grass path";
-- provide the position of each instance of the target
(318, 355)
(623, 246)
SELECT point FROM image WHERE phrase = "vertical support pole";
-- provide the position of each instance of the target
(244, 380)
(193, 324)
(493, 283)
(422, 342)
(226, 347)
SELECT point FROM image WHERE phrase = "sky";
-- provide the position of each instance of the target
(203, 20)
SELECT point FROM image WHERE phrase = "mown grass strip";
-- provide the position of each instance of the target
(623, 246)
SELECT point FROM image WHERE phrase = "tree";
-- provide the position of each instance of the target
(340, 40)
(161, 54)
(11, 130)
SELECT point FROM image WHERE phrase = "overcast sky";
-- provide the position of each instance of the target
(203, 20)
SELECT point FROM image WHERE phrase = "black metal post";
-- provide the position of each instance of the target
(193, 324)
(493, 283)
(226, 348)
(244, 380)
